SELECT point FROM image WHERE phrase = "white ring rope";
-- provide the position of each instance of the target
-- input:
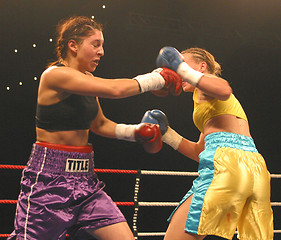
(178, 173)
(275, 175)
(276, 204)
(174, 204)
(169, 173)
(158, 204)
(155, 234)
(168, 204)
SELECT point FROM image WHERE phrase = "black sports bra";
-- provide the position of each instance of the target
(73, 113)
(76, 112)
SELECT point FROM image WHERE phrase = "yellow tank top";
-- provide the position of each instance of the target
(206, 110)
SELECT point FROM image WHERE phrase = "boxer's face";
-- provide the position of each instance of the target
(90, 51)
(191, 62)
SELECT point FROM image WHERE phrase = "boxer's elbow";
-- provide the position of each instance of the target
(225, 92)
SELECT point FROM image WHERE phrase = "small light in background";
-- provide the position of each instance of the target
(50, 40)
(34, 45)
(8, 88)
(93, 17)
(35, 78)
(103, 6)
(20, 83)
(16, 50)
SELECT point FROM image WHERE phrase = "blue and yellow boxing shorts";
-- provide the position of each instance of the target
(232, 190)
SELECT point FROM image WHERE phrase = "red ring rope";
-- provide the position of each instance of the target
(6, 201)
(96, 170)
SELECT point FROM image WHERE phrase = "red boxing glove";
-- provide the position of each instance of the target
(150, 135)
(164, 92)
(173, 81)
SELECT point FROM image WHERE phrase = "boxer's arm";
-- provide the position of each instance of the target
(184, 146)
(146, 133)
(103, 126)
(55, 80)
(212, 85)
(160, 78)
(215, 87)
(191, 149)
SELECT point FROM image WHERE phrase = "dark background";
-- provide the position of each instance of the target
(243, 35)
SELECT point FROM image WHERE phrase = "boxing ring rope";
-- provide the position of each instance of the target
(137, 204)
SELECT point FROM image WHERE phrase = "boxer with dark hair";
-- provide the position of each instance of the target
(60, 192)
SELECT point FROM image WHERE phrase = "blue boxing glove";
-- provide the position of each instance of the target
(156, 117)
(171, 58)
(169, 136)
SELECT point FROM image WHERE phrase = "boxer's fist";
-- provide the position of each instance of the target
(169, 136)
(150, 135)
(156, 117)
(169, 57)
(173, 82)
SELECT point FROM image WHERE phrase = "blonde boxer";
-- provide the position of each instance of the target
(233, 188)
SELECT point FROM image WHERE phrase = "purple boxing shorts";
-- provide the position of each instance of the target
(61, 194)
